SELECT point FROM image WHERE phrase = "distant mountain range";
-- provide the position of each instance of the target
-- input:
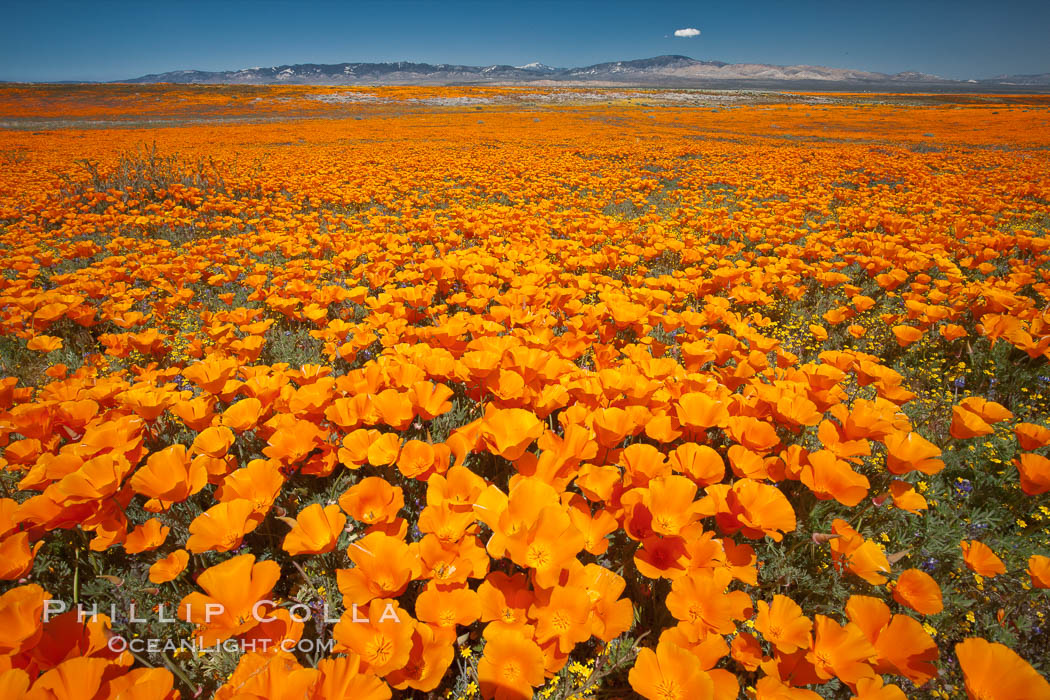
(669, 71)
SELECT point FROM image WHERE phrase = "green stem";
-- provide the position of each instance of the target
(76, 579)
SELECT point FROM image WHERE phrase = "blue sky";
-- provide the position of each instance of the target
(110, 40)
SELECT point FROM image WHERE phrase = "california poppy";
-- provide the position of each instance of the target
(380, 633)
(995, 672)
(448, 605)
(907, 451)
(372, 500)
(223, 526)
(917, 590)
(316, 530)
(782, 624)
(670, 666)
(383, 567)
(509, 432)
(511, 666)
(232, 589)
(168, 568)
(146, 537)
(1034, 472)
(860, 556)
(1039, 571)
(169, 476)
(1031, 436)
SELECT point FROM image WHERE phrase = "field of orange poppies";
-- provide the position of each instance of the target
(314, 393)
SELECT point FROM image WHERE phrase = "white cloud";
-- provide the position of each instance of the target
(687, 33)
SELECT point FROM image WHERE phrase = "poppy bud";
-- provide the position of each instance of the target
(822, 537)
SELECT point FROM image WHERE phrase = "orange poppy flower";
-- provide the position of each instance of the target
(547, 545)
(750, 507)
(509, 432)
(22, 610)
(73, 679)
(771, 688)
(14, 683)
(611, 615)
(343, 678)
(316, 530)
(612, 425)
(669, 667)
(828, 477)
(511, 666)
(394, 408)
(243, 415)
(147, 402)
(700, 463)
(95, 480)
(381, 634)
(1039, 571)
(872, 688)
(905, 648)
(45, 343)
(980, 559)
(906, 497)
(910, 451)
(505, 601)
(858, 555)
(783, 625)
(746, 464)
(752, 433)
(671, 504)
(917, 590)
(150, 682)
(168, 568)
(840, 650)
(383, 567)
(993, 671)
(746, 651)
(146, 537)
(1031, 436)
(1034, 472)
(702, 599)
(16, 556)
(416, 459)
(292, 441)
(211, 374)
(448, 606)
(169, 476)
(354, 451)
(223, 526)
(214, 442)
(701, 411)
(563, 617)
(967, 424)
(232, 590)
(595, 527)
(430, 400)
(642, 463)
(196, 413)
(432, 654)
(260, 483)
(373, 500)
(385, 450)
(989, 411)
(906, 335)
